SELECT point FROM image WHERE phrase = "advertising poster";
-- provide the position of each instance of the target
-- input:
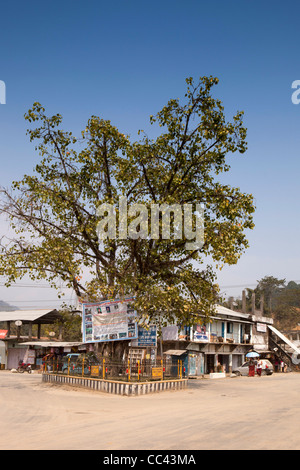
(112, 320)
(3, 334)
(31, 356)
(200, 334)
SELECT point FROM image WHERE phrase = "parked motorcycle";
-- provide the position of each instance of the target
(23, 367)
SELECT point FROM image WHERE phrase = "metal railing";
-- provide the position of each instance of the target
(108, 369)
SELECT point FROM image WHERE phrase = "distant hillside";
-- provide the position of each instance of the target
(5, 307)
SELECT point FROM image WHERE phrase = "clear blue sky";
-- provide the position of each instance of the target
(124, 60)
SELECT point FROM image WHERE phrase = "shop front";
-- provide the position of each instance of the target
(34, 352)
(223, 361)
(195, 364)
(191, 363)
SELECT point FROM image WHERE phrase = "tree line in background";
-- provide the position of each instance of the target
(281, 301)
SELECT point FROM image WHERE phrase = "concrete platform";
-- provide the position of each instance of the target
(217, 375)
(116, 387)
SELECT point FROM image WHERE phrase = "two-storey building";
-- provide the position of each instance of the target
(218, 345)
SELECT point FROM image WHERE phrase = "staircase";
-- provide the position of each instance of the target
(281, 353)
(284, 349)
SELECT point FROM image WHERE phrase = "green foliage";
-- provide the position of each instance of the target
(281, 301)
(269, 287)
(287, 306)
(53, 211)
(71, 326)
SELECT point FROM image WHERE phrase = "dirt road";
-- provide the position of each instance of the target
(232, 413)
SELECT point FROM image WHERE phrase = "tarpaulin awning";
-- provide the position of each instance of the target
(175, 352)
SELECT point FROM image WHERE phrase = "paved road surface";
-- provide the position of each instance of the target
(232, 413)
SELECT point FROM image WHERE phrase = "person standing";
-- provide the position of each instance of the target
(251, 368)
(259, 367)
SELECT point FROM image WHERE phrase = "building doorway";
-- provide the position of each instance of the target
(210, 363)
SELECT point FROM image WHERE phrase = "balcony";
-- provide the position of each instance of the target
(230, 338)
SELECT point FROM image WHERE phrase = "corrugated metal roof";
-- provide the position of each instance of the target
(227, 311)
(27, 315)
(175, 352)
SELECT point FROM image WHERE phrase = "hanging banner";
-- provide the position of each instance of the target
(112, 320)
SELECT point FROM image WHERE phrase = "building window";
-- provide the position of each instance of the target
(229, 327)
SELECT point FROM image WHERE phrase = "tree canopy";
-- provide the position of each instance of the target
(54, 210)
(269, 286)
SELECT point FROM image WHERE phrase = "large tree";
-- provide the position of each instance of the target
(54, 210)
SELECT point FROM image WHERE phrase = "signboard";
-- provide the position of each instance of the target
(109, 321)
(31, 356)
(95, 371)
(3, 334)
(262, 327)
(157, 372)
(200, 335)
(146, 337)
